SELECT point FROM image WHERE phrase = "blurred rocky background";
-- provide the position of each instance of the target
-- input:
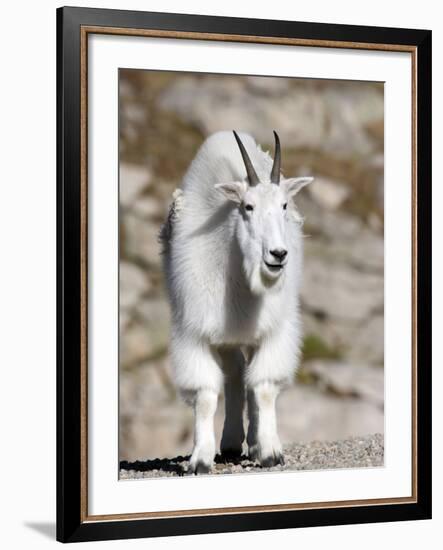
(332, 130)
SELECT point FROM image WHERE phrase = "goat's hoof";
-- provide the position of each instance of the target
(230, 455)
(199, 468)
(272, 460)
(253, 453)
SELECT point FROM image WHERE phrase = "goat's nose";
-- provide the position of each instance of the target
(279, 253)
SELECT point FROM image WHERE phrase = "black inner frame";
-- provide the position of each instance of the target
(69, 525)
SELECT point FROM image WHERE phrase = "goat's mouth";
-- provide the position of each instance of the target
(274, 268)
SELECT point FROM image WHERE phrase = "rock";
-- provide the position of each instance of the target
(320, 222)
(365, 251)
(332, 130)
(135, 346)
(124, 320)
(152, 421)
(158, 424)
(270, 87)
(126, 90)
(375, 223)
(148, 208)
(362, 342)
(135, 113)
(335, 333)
(338, 227)
(328, 193)
(367, 341)
(148, 335)
(381, 192)
(133, 180)
(349, 380)
(141, 240)
(339, 291)
(341, 238)
(305, 413)
(377, 161)
(343, 291)
(331, 117)
(133, 284)
(354, 452)
(155, 314)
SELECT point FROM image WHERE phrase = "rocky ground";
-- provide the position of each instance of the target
(357, 452)
(329, 129)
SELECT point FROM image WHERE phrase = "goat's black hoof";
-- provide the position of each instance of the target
(199, 468)
(267, 462)
(272, 460)
(253, 453)
(230, 455)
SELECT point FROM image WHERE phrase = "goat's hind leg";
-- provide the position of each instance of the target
(231, 445)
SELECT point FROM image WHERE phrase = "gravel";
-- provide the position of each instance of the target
(356, 452)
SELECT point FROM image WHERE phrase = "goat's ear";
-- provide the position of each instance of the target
(234, 191)
(293, 185)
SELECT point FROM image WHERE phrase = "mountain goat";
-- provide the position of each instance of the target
(232, 252)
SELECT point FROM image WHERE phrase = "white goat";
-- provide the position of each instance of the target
(232, 260)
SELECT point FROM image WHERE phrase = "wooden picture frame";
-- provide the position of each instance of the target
(74, 25)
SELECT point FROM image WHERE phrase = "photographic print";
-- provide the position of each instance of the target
(251, 274)
(244, 274)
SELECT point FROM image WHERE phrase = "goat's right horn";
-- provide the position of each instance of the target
(275, 174)
(252, 174)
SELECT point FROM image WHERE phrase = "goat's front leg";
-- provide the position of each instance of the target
(197, 374)
(263, 441)
(205, 404)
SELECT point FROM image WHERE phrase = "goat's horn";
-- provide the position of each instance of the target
(275, 173)
(252, 175)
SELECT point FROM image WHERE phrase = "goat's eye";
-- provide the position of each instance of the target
(249, 207)
(285, 206)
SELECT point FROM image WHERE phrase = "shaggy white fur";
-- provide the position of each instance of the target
(232, 261)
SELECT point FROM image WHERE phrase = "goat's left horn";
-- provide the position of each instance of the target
(252, 174)
(275, 173)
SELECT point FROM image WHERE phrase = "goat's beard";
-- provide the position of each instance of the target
(259, 281)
